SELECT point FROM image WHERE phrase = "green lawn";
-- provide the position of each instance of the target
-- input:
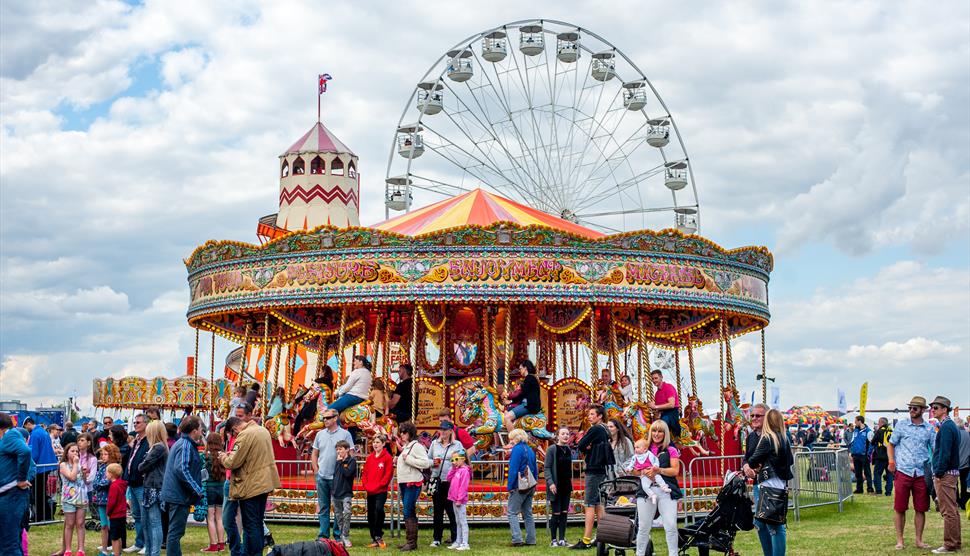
(865, 527)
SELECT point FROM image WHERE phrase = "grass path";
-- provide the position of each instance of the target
(865, 527)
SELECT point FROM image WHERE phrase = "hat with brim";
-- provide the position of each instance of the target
(918, 401)
(940, 400)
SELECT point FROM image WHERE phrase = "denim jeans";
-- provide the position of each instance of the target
(324, 488)
(253, 510)
(152, 528)
(230, 509)
(178, 514)
(13, 504)
(773, 537)
(880, 468)
(345, 401)
(520, 502)
(409, 499)
(135, 496)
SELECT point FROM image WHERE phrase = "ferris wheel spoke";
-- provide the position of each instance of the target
(434, 186)
(521, 172)
(621, 145)
(591, 133)
(620, 187)
(443, 151)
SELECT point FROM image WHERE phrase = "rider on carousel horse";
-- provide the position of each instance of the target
(526, 399)
(357, 387)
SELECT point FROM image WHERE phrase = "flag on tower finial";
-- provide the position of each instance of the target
(322, 80)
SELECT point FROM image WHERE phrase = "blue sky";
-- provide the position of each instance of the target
(132, 133)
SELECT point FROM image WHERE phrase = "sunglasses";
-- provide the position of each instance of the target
(757, 415)
(937, 406)
(328, 417)
(915, 408)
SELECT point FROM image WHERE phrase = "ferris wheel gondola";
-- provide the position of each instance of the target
(565, 123)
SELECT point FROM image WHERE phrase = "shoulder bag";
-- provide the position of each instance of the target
(526, 480)
(772, 502)
(434, 482)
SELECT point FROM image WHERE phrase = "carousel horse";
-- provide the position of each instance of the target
(695, 427)
(360, 416)
(481, 404)
(610, 397)
(639, 416)
(480, 408)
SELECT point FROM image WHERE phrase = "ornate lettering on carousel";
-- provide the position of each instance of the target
(664, 275)
(333, 272)
(528, 270)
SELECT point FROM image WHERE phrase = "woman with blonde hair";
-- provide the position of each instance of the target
(770, 464)
(522, 461)
(153, 470)
(668, 470)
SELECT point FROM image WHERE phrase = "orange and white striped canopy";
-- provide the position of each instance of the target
(479, 208)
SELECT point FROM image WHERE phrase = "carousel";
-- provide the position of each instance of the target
(549, 245)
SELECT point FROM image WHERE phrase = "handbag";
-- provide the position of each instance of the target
(526, 480)
(772, 502)
(434, 482)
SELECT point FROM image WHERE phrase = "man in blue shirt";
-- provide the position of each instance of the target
(16, 472)
(908, 449)
(42, 452)
(859, 442)
(323, 459)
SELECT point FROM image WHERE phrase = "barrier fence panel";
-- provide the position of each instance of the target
(43, 498)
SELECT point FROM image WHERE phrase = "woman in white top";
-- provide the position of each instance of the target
(411, 460)
(357, 387)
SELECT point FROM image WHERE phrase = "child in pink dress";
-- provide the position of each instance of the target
(645, 459)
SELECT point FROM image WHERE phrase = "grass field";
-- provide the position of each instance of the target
(865, 527)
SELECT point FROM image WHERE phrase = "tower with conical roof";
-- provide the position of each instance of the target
(319, 183)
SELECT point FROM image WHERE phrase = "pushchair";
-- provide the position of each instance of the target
(617, 528)
(732, 513)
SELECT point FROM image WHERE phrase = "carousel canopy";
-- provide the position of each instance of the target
(318, 140)
(477, 208)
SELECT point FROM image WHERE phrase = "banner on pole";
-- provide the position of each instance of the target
(843, 407)
(775, 398)
(863, 394)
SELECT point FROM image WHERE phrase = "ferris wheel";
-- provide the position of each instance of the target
(553, 116)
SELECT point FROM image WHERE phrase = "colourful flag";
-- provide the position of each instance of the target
(322, 81)
(843, 407)
(863, 394)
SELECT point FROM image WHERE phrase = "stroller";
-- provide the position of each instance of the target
(732, 513)
(617, 528)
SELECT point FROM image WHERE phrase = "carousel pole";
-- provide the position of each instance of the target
(721, 390)
(593, 356)
(212, 381)
(641, 360)
(764, 371)
(508, 344)
(690, 362)
(321, 355)
(195, 373)
(244, 361)
(680, 400)
(386, 357)
(341, 356)
(377, 339)
(414, 354)
(444, 349)
(275, 360)
(486, 348)
(614, 349)
(493, 351)
(290, 371)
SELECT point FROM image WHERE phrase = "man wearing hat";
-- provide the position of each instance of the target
(440, 452)
(946, 471)
(909, 448)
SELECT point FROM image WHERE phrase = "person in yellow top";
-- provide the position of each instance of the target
(253, 477)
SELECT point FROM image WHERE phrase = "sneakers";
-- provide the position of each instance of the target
(563, 543)
(463, 547)
(132, 549)
(554, 544)
(347, 543)
(942, 550)
(581, 545)
(435, 544)
(211, 548)
(141, 551)
(453, 546)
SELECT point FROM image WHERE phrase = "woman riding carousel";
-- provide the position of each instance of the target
(524, 400)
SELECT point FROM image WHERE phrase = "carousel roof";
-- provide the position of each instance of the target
(477, 207)
(319, 140)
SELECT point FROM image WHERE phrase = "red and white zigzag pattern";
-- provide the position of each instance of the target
(318, 192)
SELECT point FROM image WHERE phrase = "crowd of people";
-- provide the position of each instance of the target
(159, 471)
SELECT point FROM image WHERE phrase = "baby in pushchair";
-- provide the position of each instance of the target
(645, 459)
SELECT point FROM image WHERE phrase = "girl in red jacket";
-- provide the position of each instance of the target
(376, 478)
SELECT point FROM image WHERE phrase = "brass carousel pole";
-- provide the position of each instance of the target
(508, 345)
(764, 372)
(386, 358)
(593, 356)
(614, 349)
(690, 361)
(414, 354)
(244, 361)
(195, 373)
(641, 360)
(377, 340)
(493, 351)
(290, 372)
(680, 401)
(212, 380)
(721, 390)
(321, 356)
(341, 356)
(444, 350)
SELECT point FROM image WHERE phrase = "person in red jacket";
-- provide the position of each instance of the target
(376, 478)
(117, 508)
